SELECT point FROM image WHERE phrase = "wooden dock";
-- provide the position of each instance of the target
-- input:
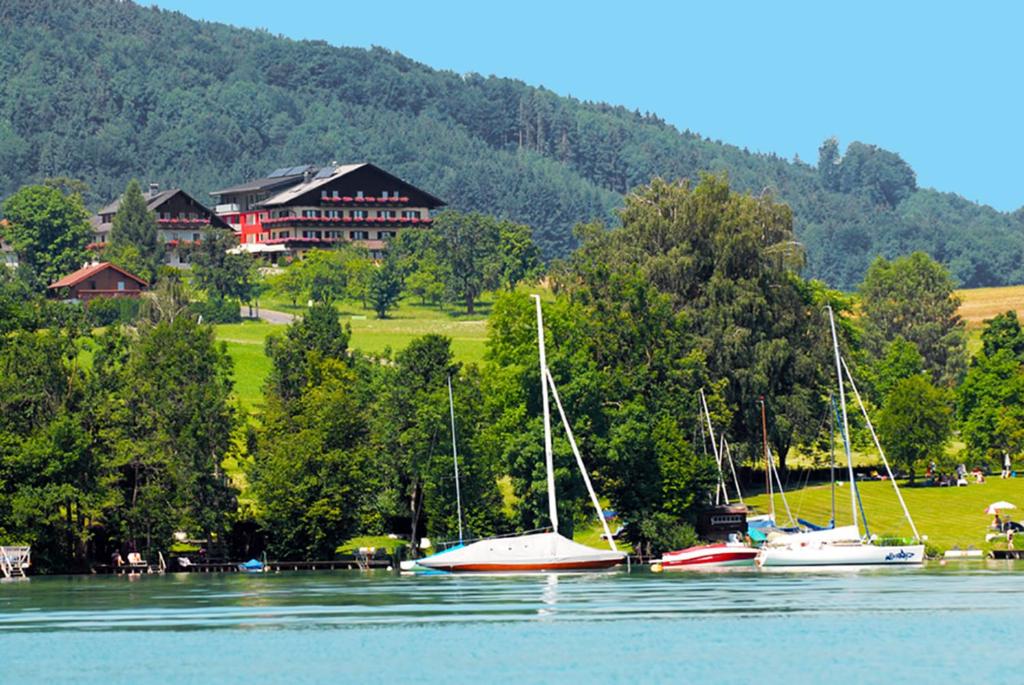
(345, 563)
(1006, 554)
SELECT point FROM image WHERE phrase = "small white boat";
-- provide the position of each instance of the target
(533, 552)
(841, 554)
(720, 555)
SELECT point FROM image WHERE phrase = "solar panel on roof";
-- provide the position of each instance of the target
(325, 172)
(296, 170)
(283, 171)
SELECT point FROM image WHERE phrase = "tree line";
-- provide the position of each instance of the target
(120, 436)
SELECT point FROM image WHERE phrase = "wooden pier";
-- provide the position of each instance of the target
(1006, 554)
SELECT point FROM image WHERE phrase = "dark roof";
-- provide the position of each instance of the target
(155, 200)
(265, 183)
(87, 272)
(321, 179)
(152, 201)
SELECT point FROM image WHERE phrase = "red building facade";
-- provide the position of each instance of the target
(299, 208)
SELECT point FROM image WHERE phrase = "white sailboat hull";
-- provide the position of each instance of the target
(524, 553)
(841, 554)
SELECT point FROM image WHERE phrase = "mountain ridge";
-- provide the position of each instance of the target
(105, 91)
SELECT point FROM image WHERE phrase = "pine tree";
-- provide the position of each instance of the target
(135, 227)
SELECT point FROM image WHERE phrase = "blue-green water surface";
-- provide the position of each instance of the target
(959, 623)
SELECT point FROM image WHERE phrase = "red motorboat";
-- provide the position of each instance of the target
(722, 554)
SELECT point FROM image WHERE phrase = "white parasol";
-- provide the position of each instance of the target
(996, 507)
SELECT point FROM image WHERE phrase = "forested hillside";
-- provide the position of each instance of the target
(105, 91)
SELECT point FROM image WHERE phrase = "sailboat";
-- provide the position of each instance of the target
(545, 551)
(717, 555)
(796, 551)
(414, 565)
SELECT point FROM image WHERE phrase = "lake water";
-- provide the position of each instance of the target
(957, 623)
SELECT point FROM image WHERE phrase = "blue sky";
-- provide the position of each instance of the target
(937, 82)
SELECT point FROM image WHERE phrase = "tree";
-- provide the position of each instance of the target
(167, 428)
(296, 355)
(323, 275)
(725, 262)
(990, 404)
(901, 360)
(828, 163)
(470, 244)
(313, 472)
(519, 255)
(1003, 332)
(49, 231)
(134, 232)
(913, 297)
(385, 287)
(915, 424)
(289, 283)
(222, 274)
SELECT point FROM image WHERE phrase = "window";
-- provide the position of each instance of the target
(92, 285)
(311, 213)
(333, 214)
(395, 194)
(384, 194)
(411, 213)
(359, 193)
(359, 213)
(336, 195)
(384, 235)
(120, 286)
(359, 235)
(387, 213)
(323, 194)
(196, 237)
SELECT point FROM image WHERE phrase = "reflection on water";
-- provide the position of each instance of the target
(192, 601)
(584, 626)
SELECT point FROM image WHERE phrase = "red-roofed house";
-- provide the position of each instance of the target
(99, 280)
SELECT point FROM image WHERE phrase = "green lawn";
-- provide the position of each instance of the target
(948, 516)
(373, 336)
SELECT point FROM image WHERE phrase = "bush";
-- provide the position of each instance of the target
(217, 311)
(662, 533)
(106, 311)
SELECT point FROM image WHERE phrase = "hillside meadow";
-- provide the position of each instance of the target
(949, 517)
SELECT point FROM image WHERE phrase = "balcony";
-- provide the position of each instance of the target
(364, 201)
(183, 223)
(230, 208)
(344, 221)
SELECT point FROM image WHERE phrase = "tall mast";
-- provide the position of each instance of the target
(579, 462)
(720, 491)
(881, 452)
(455, 455)
(846, 425)
(832, 451)
(767, 461)
(549, 460)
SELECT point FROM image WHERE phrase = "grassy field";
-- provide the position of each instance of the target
(979, 304)
(948, 516)
(245, 341)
